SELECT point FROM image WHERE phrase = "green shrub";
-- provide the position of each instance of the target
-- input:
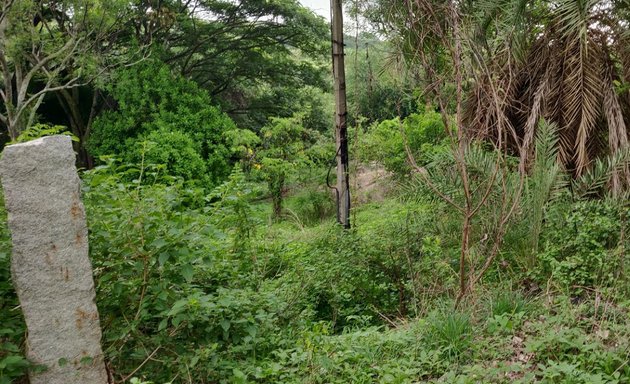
(284, 155)
(174, 149)
(314, 205)
(581, 244)
(570, 355)
(385, 143)
(176, 281)
(508, 303)
(338, 284)
(233, 211)
(389, 266)
(369, 355)
(151, 101)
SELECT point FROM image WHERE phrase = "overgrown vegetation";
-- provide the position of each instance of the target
(498, 251)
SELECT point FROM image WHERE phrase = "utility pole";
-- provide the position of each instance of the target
(341, 129)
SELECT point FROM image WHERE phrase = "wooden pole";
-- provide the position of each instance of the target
(341, 131)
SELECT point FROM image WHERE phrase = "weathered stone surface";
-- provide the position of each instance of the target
(51, 271)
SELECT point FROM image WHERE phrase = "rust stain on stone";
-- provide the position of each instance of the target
(75, 210)
(81, 316)
(66, 274)
(78, 239)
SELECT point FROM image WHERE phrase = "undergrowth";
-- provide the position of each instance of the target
(196, 287)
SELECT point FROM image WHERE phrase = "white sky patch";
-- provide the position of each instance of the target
(320, 7)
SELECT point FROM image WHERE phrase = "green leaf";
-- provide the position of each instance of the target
(158, 243)
(239, 376)
(225, 324)
(163, 258)
(13, 361)
(163, 324)
(187, 272)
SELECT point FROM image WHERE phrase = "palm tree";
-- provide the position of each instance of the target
(575, 72)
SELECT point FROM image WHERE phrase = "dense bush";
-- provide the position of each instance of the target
(385, 141)
(174, 149)
(582, 245)
(313, 205)
(283, 155)
(201, 299)
(202, 291)
(176, 283)
(150, 102)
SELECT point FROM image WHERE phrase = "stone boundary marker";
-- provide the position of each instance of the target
(50, 268)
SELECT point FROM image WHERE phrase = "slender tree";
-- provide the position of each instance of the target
(48, 46)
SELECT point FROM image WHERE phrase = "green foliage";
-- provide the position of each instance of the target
(233, 211)
(508, 303)
(153, 104)
(51, 47)
(387, 267)
(175, 280)
(13, 364)
(507, 310)
(40, 130)
(135, 380)
(314, 205)
(195, 285)
(369, 355)
(544, 183)
(376, 89)
(200, 284)
(257, 58)
(385, 141)
(566, 351)
(283, 154)
(242, 143)
(582, 244)
(174, 149)
(451, 334)
(599, 180)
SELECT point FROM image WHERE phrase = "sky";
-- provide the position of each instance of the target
(321, 7)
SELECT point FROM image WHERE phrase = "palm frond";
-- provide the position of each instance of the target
(544, 184)
(583, 99)
(576, 74)
(594, 181)
(574, 17)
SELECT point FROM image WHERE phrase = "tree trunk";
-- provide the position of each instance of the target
(276, 185)
(341, 134)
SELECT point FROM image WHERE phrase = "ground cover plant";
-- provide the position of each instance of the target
(196, 287)
(489, 177)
